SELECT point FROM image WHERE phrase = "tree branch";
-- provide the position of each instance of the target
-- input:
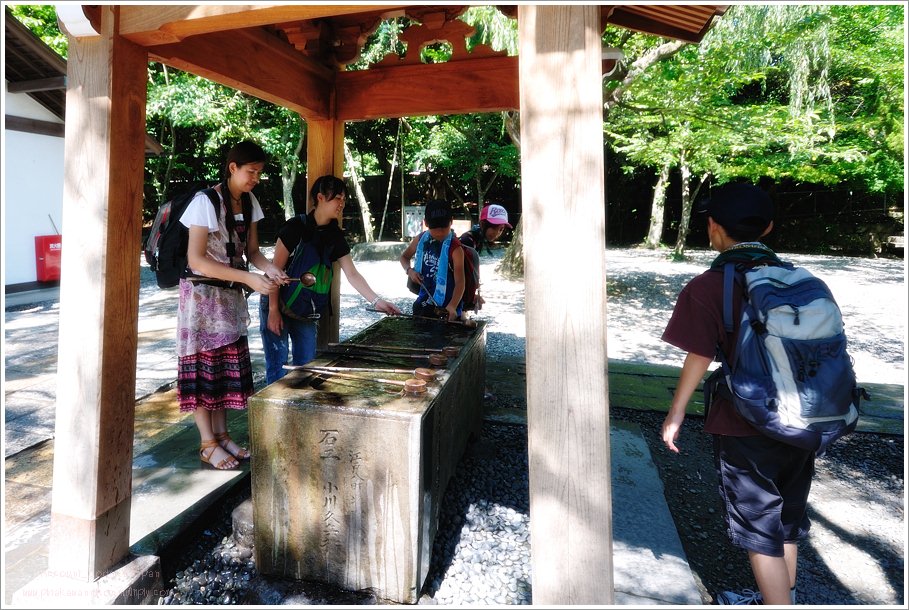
(664, 51)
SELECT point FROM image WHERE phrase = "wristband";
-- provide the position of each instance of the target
(407, 271)
(374, 301)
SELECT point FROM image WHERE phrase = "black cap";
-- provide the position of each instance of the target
(740, 206)
(437, 214)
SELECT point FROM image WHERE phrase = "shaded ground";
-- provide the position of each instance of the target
(855, 553)
(857, 548)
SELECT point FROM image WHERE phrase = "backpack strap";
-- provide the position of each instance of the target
(732, 273)
(246, 200)
(216, 202)
(729, 272)
(308, 236)
(229, 221)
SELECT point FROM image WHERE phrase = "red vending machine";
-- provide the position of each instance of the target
(47, 257)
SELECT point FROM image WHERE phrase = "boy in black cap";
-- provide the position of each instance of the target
(763, 483)
(439, 265)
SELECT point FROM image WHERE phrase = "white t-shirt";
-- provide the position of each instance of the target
(200, 212)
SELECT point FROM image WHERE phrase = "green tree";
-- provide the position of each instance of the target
(180, 100)
(758, 98)
(41, 19)
(457, 157)
(468, 153)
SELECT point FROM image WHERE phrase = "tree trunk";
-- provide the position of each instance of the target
(289, 174)
(701, 183)
(685, 220)
(481, 190)
(513, 126)
(361, 197)
(658, 209)
(512, 265)
(391, 179)
(664, 51)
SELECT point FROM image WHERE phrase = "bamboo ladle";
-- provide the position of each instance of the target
(420, 373)
(307, 279)
(448, 350)
(469, 323)
(435, 359)
(411, 386)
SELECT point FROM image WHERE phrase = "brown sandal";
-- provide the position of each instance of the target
(224, 440)
(213, 445)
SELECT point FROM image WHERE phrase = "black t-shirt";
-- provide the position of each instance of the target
(324, 236)
(475, 239)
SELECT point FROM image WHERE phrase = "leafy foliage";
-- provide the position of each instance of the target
(493, 29)
(41, 19)
(810, 94)
(220, 116)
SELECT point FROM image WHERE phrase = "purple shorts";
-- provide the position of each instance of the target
(764, 486)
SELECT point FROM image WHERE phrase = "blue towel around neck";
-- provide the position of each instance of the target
(438, 296)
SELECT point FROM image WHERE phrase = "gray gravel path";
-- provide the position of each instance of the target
(481, 554)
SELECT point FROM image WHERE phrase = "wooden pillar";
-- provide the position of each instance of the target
(564, 220)
(99, 300)
(325, 155)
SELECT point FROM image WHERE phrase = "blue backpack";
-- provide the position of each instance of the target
(309, 264)
(793, 379)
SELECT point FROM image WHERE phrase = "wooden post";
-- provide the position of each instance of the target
(99, 301)
(325, 155)
(564, 220)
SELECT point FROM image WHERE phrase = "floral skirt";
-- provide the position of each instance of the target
(217, 379)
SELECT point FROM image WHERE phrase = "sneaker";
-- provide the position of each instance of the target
(746, 598)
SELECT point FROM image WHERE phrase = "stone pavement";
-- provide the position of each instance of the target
(170, 489)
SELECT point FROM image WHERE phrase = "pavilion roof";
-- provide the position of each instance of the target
(297, 55)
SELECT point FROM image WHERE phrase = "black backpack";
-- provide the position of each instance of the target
(472, 277)
(310, 268)
(165, 247)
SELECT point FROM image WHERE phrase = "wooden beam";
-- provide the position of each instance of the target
(156, 24)
(99, 304)
(270, 69)
(44, 128)
(38, 84)
(567, 391)
(475, 85)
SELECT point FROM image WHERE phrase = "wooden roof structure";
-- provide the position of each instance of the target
(295, 55)
(31, 67)
(302, 52)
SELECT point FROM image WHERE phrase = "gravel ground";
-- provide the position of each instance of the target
(856, 551)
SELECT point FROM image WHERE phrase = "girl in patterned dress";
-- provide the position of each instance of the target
(215, 371)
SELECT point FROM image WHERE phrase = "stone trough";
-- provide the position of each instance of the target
(349, 474)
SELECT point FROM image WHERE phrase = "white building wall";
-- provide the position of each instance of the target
(32, 189)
